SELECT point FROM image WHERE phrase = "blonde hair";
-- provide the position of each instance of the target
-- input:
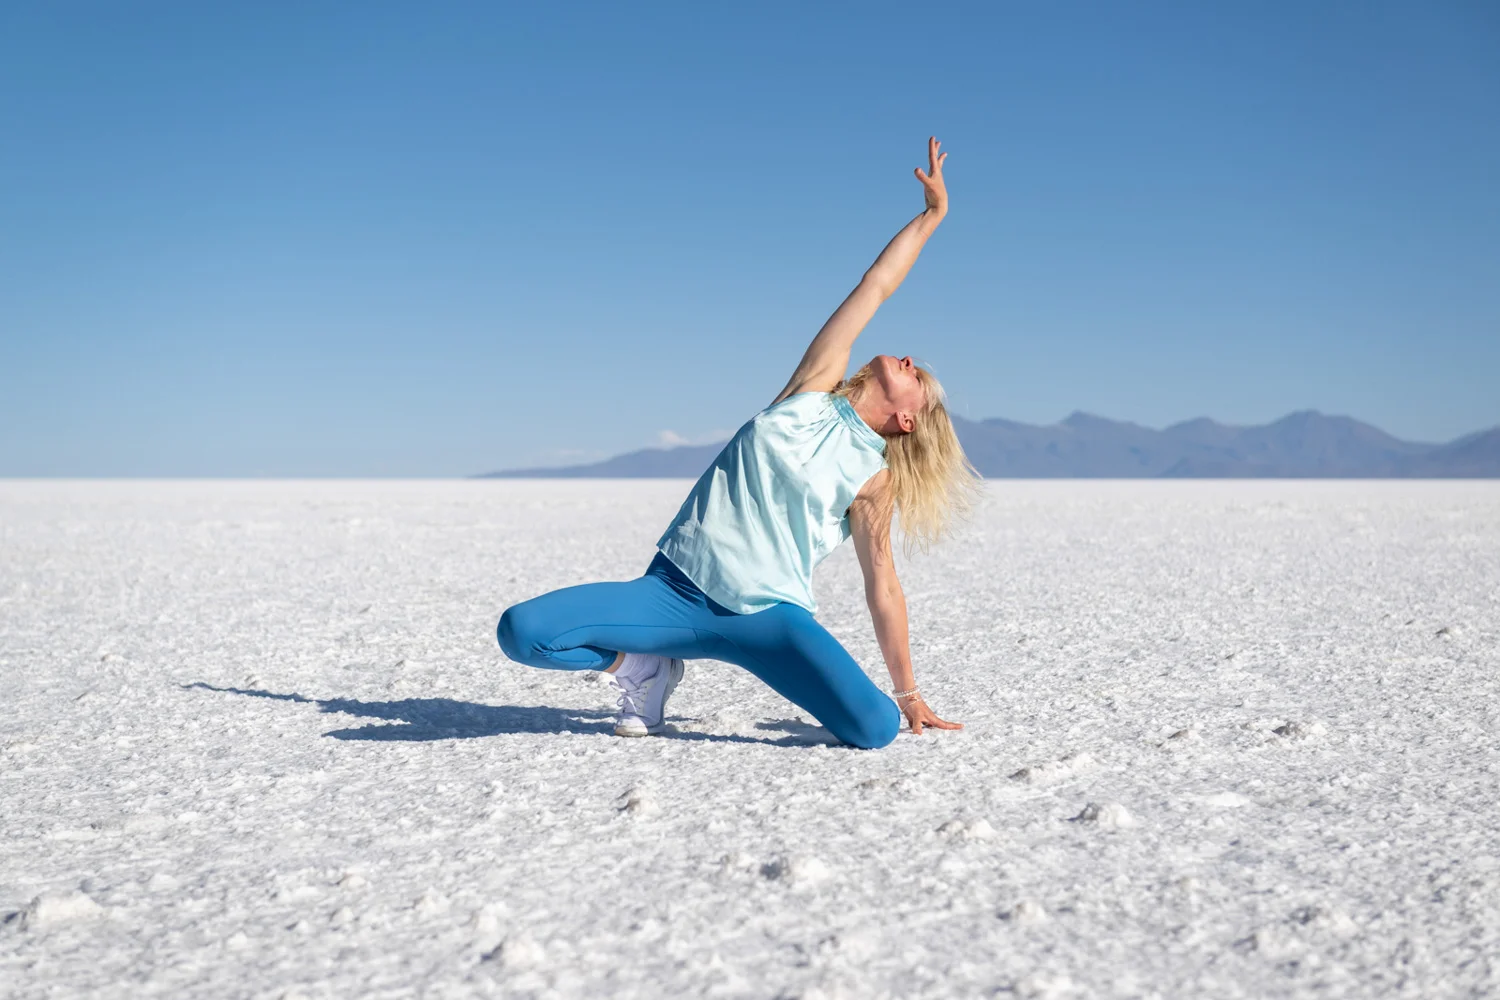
(932, 480)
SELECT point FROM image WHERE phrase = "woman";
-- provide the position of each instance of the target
(732, 577)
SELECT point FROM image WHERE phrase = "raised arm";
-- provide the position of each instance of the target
(827, 357)
(870, 518)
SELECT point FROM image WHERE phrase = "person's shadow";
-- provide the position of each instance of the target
(425, 719)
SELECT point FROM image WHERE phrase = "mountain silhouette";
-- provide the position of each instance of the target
(1302, 445)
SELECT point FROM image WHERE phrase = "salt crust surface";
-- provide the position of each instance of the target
(1224, 740)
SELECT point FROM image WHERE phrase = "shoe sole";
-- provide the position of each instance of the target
(674, 677)
(648, 731)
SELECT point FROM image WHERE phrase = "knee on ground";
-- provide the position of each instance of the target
(874, 728)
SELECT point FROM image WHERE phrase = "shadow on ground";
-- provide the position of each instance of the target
(426, 719)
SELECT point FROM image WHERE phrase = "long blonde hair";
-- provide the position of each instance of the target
(932, 480)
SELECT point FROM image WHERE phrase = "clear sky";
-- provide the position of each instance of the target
(437, 239)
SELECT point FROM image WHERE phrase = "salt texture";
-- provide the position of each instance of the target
(53, 908)
(1106, 816)
(1054, 771)
(258, 740)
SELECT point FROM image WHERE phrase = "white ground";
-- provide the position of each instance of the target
(258, 741)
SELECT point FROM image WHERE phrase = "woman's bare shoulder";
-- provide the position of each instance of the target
(875, 495)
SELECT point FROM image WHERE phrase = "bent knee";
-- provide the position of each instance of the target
(514, 635)
(875, 728)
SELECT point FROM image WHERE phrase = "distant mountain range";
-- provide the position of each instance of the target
(1302, 445)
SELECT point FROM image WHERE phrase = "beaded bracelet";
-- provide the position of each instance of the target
(905, 694)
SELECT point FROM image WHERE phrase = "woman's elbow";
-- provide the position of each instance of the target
(879, 284)
(884, 598)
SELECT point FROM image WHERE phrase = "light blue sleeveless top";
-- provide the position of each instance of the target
(775, 503)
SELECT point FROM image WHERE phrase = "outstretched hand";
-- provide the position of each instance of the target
(933, 188)
(919, 715)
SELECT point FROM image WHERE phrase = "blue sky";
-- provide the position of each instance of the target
(437, 239)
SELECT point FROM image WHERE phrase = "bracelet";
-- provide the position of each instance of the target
(905, 694)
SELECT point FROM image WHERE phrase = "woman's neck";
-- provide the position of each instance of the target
(869, 410)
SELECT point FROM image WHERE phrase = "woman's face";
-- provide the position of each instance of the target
(899, 382)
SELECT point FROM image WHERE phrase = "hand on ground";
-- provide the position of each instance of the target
(919, 715)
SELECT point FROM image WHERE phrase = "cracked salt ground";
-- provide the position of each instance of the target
(1224, 739)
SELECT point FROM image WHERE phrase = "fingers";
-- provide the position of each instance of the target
(934, 156)
(920, 715)
(933, 722)
(935, 159)
(927, 718)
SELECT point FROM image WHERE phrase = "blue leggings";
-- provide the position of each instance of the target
(663, 612)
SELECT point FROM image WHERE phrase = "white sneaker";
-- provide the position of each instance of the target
(645, 683)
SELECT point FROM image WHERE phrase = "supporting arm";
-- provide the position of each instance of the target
(870, 517)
